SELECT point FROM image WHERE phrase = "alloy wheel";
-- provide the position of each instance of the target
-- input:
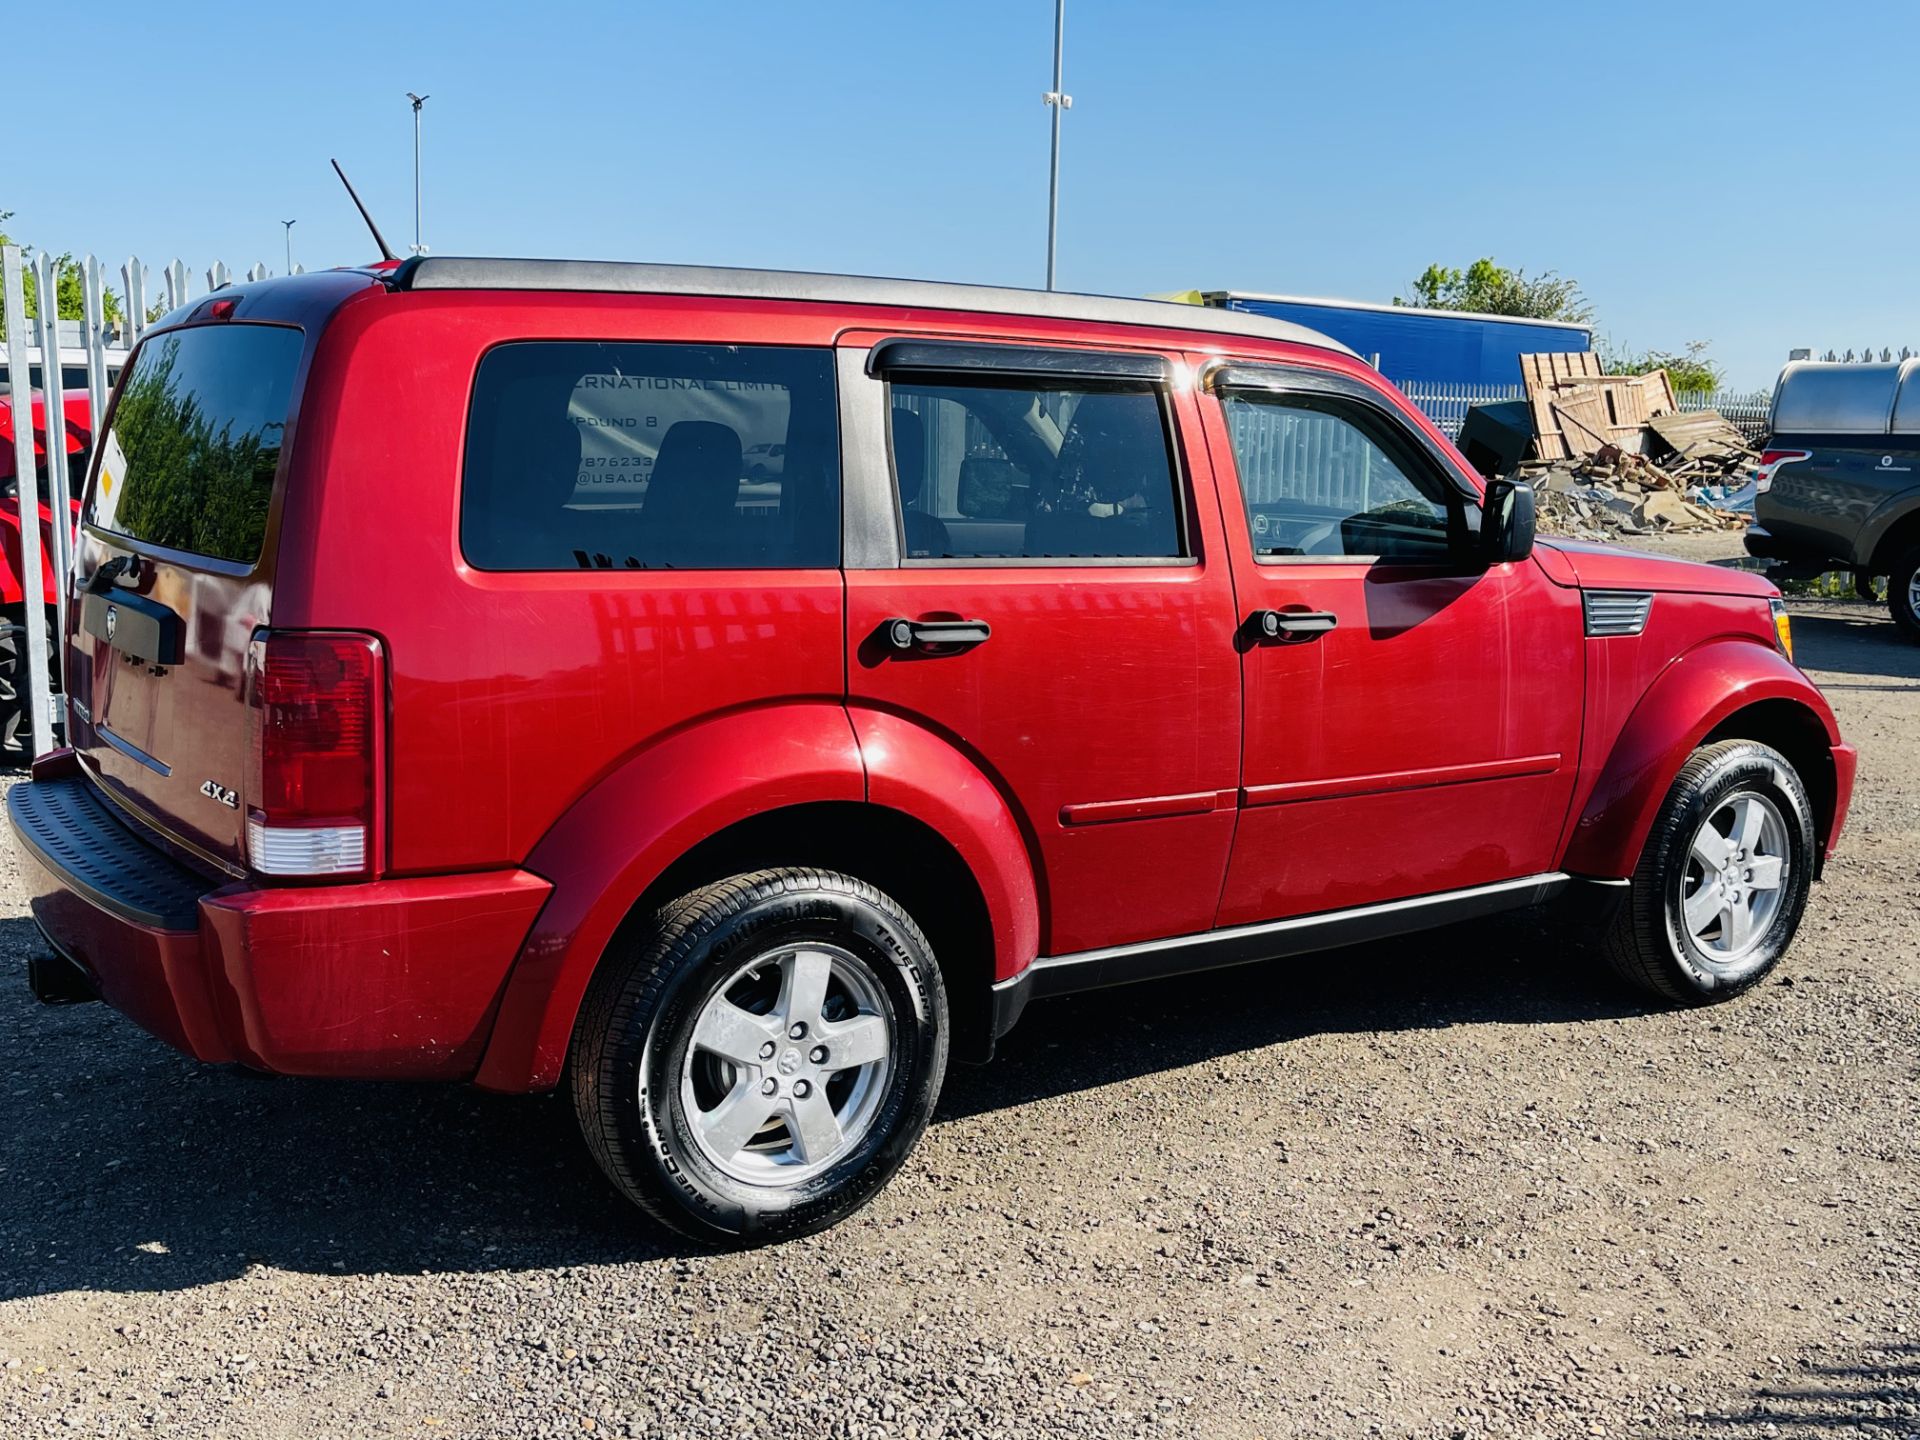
(1736, 873)
(788, 1064)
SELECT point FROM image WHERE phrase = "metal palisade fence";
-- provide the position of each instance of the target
(1447, 404)
(45, 348)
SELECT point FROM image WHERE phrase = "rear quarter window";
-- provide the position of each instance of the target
(586, 455)
(190, 459)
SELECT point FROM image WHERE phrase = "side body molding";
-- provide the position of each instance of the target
(618, 837)
(911, 769)
(1685, 703)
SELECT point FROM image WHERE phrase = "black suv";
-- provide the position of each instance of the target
(1839, 485)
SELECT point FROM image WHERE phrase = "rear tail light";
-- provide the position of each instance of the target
(315, 705)
(1770, 462)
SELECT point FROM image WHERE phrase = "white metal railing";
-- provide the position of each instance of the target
(1745, 410)
(39, 342)
(1446, 403)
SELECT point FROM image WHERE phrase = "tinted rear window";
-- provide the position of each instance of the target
(189, 462)
(584, 456)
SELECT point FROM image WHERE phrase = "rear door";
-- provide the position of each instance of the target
(1412, 715)
(1060, 610)
(171, 575)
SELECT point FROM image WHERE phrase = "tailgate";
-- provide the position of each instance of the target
(172, 576)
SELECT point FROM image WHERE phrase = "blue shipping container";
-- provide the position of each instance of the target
(1430, 346)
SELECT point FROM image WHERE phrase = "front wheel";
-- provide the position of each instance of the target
(757, 1064)
(1723, 880)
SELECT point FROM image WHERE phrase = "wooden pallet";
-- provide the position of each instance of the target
(1576, 410)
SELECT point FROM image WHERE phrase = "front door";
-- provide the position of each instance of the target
(1412, 715)
(1061, 611)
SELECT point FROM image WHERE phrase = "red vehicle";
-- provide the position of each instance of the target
(450, 702)
(14, 745)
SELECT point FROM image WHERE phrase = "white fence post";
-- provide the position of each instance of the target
(134, 274)
(33, 637)
(53, 392)
(94, 323)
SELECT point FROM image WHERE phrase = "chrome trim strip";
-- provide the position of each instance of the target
(448, 272)
(132, 751)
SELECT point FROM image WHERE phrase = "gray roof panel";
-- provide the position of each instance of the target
(438, 272)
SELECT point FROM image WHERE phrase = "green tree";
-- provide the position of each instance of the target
(1490, 289)
(1692, 373)
(69, 286)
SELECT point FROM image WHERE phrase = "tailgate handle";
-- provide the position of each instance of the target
(942, 637)
(1286, 625)
(133, 625)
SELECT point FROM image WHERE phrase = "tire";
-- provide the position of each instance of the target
(1650, 941)
(1903, 592)
(736, 962)
(16, 739)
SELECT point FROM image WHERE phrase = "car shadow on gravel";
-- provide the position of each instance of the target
(1515, 969)
(1843, 638)
(127, 1167)
(1876, 1393)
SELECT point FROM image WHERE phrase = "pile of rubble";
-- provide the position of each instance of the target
(1613, 454)
(1630, 495)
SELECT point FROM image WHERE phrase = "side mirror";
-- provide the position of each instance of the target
(1506, 521)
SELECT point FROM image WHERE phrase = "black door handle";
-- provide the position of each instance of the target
(1290, 624)
(941, 637)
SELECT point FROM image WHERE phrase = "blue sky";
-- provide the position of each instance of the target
(1744, 174)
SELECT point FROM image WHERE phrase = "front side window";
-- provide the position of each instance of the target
(1326, 477)
(1017, 469)
(587, 455)
(189, 460)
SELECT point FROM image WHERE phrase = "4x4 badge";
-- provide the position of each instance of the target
(212, 789)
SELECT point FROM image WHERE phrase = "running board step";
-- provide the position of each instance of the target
(1272, 940)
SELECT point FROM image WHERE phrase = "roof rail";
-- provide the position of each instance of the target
(446, 272)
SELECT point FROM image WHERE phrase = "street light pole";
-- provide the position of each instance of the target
(1058, 100)
(289, 224)
(418, 101)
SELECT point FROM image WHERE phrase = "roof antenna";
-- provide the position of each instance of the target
(378, 238)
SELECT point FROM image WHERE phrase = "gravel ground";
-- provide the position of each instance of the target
(1458, 1186)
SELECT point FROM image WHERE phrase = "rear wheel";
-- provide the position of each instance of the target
(1903, 592)
(1723, 880)
(758, 1062)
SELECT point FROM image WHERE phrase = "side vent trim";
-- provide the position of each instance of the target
(1617, 612)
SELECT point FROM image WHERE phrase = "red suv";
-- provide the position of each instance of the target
(453, 700)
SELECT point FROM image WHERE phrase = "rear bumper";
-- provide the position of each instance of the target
(394, 979)
(1793, 558)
